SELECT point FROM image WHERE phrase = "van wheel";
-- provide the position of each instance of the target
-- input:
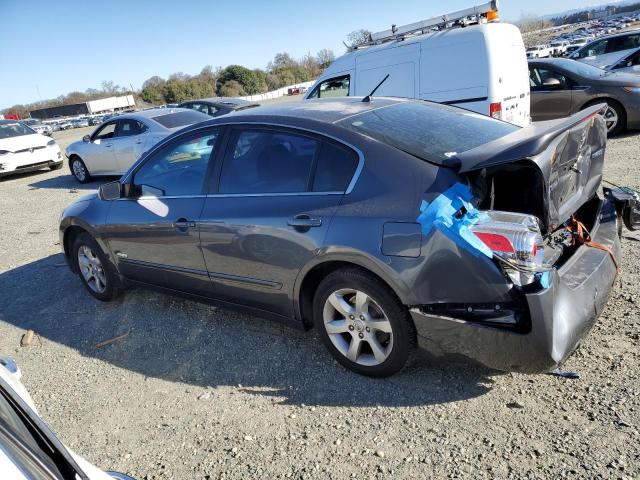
(363, 324)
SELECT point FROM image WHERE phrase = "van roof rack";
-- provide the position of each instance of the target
(469, 16)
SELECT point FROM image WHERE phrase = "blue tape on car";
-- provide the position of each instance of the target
(452, 213)
(545, 279)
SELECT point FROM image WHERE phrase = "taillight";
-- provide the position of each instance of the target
(515, 240)
(495, 110)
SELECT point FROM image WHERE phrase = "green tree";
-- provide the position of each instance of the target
(231, 88)
(251, 81)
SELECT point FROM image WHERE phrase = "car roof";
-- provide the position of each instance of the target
(328, 110)
(8, 120)
(153, 112)
(228, 102)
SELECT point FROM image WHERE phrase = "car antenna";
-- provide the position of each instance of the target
(367, 99)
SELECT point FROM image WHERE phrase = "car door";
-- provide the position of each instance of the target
(153, 231)
(131, 141)
(551, 93)
(273, 199)
(99, 157)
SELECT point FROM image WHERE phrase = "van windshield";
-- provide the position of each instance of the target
(429, 131)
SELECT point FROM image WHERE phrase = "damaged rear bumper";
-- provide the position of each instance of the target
(561, 315)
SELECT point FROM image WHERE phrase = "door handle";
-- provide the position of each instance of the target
(304, 221)
(108, 145)
(183, 224)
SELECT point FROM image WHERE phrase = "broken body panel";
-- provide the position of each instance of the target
(552, 171)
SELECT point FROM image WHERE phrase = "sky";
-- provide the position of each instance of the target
(53, 47)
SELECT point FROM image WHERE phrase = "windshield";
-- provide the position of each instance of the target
(180, 119)
(8, 130)
(582, 69)
(428, 131)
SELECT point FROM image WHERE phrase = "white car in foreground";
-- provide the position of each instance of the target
(24, 150)
(116, 144)
(28, 448)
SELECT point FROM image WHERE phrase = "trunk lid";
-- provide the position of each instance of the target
(569, 154)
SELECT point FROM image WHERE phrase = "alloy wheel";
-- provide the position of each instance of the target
(79, 171)
(92, 269)
(611, 118)
(358, 327)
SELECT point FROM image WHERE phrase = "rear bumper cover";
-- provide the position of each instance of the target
(561, 315)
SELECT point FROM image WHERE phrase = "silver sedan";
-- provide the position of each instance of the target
(116, 144)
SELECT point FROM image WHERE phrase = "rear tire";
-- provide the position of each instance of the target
(363, 324)
(79, 169)
(94, 268)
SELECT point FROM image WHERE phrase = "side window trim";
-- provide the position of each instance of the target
(214, 183)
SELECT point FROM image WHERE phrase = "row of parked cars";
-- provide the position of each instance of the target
(567, 43)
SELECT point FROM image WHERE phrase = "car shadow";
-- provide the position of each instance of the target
(68, 182)
(184, 341)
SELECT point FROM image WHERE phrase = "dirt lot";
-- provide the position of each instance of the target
(199, 392)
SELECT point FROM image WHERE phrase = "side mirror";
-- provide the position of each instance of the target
(110, 191)
(86, 138)
(552, 83)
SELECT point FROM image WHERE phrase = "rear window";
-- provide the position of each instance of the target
(180, 119)
(431, 132)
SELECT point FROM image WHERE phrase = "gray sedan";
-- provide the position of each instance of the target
(384, 224)
(562, 87)
(116, 144)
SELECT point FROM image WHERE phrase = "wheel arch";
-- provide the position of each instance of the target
(70, 228)
(309, 279)
(607, 99)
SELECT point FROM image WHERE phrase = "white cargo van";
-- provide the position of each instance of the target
(481, 67)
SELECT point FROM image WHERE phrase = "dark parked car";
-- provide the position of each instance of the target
(561, 87)
(216, 107)
(384, 224)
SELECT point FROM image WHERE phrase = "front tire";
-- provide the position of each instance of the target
(56, 166)
(363, 324)
(79, 169)
(96, 272)
(614, 116)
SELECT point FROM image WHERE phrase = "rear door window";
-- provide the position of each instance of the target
(267, 161)
(130, 127)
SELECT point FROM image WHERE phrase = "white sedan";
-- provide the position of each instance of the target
(24, 150)
(116, 144)
(28, 448)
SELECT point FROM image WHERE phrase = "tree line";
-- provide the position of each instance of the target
(231, 81)
(236, 80)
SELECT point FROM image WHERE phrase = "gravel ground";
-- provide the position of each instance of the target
(199, 392)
